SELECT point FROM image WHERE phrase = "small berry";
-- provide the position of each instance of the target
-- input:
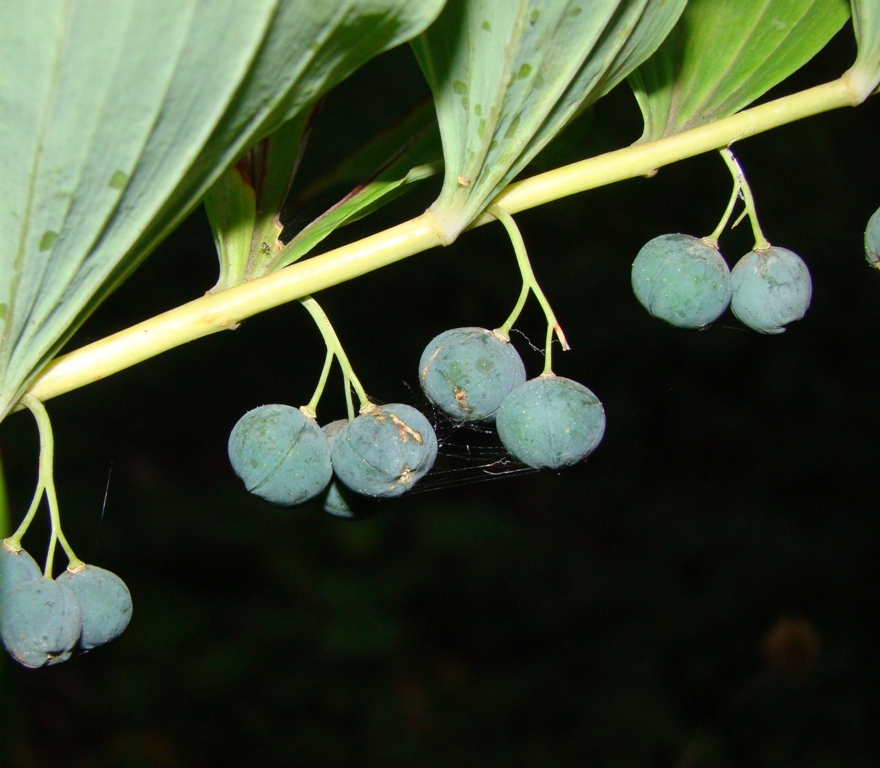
(385, 450)
(40, 622)
(551, 422)
(872, 239)
(16, 566)
(771, 288)
(681, 279)
(467, 372)
(104, 601)
(280, 454)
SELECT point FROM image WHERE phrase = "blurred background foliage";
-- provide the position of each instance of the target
(702, 592)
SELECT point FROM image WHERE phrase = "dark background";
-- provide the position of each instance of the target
(701, 592)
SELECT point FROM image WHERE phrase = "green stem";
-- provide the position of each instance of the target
(530, 283)
(504, 330)
(739, 178)
(334, 347)
(312, 407)
(225, 309)
(47, 481)
(15, 539)
(715, 236)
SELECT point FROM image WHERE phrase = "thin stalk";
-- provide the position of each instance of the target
(530, 283)
(225, 309)
(334, 346)
(715, 236)
(15, 540)
(47, 480)
(739, 178)
(312, 406)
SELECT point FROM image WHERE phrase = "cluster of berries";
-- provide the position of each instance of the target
(43, 620)
(685, 281)
(471, 374)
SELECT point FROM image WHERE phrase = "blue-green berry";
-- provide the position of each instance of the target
(771, 288)
(40, 622)
(104, 601)
(467, 372)
(339, 500)
(16, 566)
(385, 450)
(550, 422)
(280, 454)
(872, 239)
(682, 279)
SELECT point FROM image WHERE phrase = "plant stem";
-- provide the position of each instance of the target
(46, 482)
(334, 347)
(739, 179)
(225, 309)
(530, 283)
(312, 406)
(15, 539)
(715, 236)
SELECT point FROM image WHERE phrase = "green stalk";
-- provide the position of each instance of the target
(312, 407)
(530, 284)
(334, 349)
(739, 179)
(46, 482)
(716, 235)
(226, 309)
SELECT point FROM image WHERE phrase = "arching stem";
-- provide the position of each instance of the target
(312, 406)
(334, 349)
(530, 283)
(739, 178)
(715, 236)
(46, 483)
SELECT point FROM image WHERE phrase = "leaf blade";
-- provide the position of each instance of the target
(148, 103)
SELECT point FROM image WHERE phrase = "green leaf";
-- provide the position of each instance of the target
(124, 114)
(363, 161)
(507, 75)
(418, 160)
(243, 204)
(865, 73)
(723, 55)
(384, 167)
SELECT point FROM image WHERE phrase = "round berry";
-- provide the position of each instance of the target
(551, 422)
(104, 601)
(385, 450)
(40, 622)
(280, 454)
(681, 279)
(872, 239)
(16, 566)
(771, 288)
(467, 372)
(339, 500)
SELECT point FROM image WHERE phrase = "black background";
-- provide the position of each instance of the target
(701, 592)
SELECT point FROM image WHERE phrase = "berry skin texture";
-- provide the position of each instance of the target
(40, 622)
(104, 601)
(280, 454)
(771, 288)
(681, 279)
(467, 372)
(872, 240)
(385, 450)
(551, 422)
(15, 567)
(339, 500)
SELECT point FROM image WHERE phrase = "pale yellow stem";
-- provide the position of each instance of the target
(224, 310)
